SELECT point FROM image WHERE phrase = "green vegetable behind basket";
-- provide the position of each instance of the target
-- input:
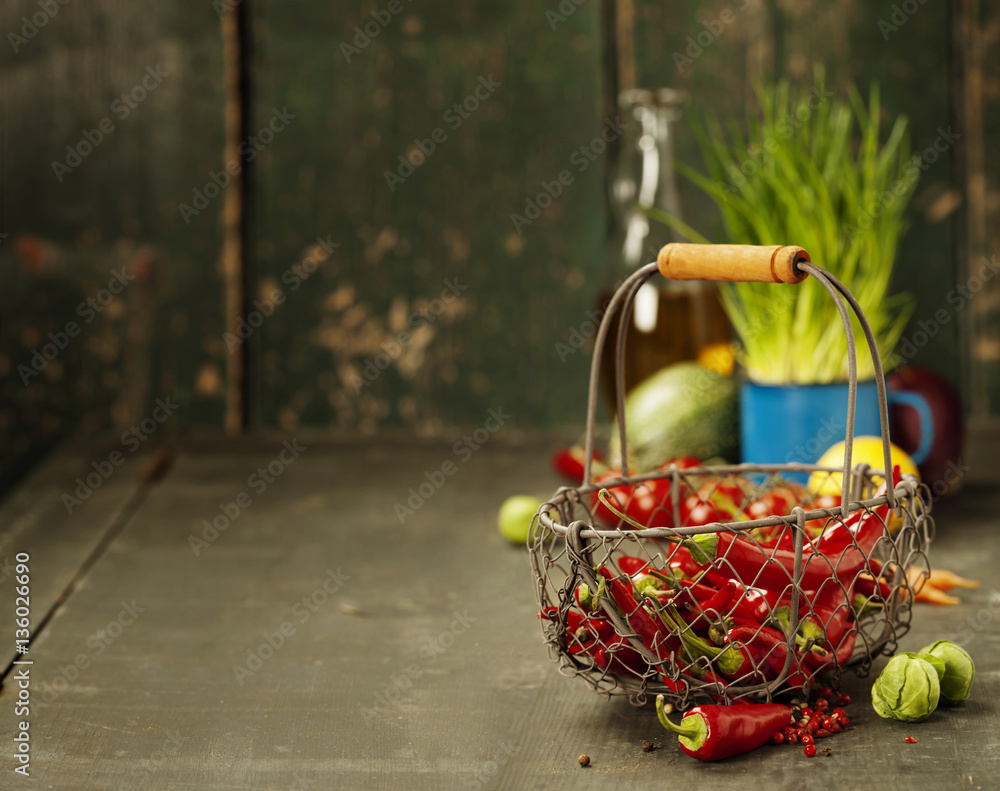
(681, 410)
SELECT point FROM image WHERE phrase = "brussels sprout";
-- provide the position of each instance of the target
(936, 663)
(907, 689)
(959, 670)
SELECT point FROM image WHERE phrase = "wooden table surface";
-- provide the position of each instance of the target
(318, 642)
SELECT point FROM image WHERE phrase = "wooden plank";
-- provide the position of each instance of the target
(59, 535)
(424, 669)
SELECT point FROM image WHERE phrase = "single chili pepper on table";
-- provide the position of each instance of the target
(711, 733)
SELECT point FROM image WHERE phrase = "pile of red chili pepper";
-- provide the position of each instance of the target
(718, 612)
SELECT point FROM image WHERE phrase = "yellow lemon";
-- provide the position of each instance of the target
(717, 357)
(867, 450)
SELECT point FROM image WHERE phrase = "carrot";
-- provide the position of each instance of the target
(928, 593)
(945, 580)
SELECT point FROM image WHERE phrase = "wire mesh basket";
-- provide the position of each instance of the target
(787, 591)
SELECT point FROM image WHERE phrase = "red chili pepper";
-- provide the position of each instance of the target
(680, 560)
(654, 634)
(600, 628)
(618, 657)
(753, 603)
(632, 565)
(570, 463)
(862, 528)
(753, 565)
(768, 650)
(646, 504)
(710, 733)
(729, 661)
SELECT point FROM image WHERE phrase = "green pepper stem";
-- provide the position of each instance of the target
(605, 497)
(692, 729)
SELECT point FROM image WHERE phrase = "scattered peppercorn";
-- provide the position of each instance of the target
(806, 738)
(778, 738)
(827, 752)
(843, 699)
(584, 760)
(648, 746)
(809, 750)
(910, 740)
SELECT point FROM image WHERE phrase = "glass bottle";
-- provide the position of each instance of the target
(672, 320)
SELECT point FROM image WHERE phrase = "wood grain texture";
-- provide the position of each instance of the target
(331, 355)
(732, 263)
(425, 669)
(59, 535)
(68, 232)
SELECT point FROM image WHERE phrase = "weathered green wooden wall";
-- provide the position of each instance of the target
(352, 107)
(68, 232)
(360, 109)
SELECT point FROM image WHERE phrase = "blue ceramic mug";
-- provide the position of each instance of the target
(782, 424)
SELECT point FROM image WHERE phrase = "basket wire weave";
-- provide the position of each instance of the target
(568, 545)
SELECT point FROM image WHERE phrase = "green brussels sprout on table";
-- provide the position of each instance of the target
(911, 685)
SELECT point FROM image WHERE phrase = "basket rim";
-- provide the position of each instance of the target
(906, 490)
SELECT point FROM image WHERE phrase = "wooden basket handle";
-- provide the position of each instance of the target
(733, 263)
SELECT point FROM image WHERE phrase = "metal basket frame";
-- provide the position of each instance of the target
(566, 538)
